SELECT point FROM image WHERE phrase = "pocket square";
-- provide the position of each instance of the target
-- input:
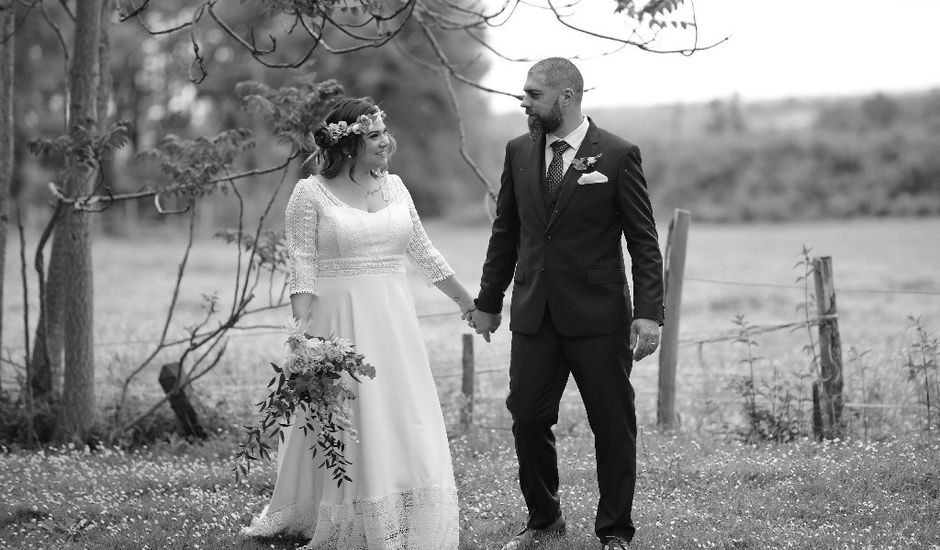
(592, 177)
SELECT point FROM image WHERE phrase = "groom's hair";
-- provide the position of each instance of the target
(561, 73)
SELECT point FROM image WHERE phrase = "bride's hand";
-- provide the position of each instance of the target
(483, 323)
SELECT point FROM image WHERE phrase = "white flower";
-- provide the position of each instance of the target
(362, 125)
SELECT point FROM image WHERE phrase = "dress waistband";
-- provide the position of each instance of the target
(348, 267)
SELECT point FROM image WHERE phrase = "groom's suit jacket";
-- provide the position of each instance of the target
(571, 258)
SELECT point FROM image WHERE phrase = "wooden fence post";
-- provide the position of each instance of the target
(676, 245)
(180, 402)
(827, 390)
(466, 386)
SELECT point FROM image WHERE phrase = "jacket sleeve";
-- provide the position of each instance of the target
(639, 228)
(503, 249)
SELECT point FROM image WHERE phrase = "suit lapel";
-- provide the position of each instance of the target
(535, 179)
(589, 148)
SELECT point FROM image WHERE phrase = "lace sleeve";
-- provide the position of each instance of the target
(420, 250)
(301, 222)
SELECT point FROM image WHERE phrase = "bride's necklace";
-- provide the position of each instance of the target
(371, 192)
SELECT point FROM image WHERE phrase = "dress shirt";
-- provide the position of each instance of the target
(574, 139)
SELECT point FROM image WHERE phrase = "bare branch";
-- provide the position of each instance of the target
(38, 265)
(197, 15)
(238, 262)
(124, 16)
(439, 52)
(641, 45)
(80, 203)
(68, 10)
(344, 28)
(493, 50)
(407, 6)
(249, 46)
(374, 43)
(198, 60)
(695, 27)
(463, 137)
(22, 20)
(180, 385)
(161, 344)
(318, 41)
(164, 211)
(9, 361)
(58, 33)
(478, 18)
(573, 4)
(190, 378)
(446, 74)
(264, 215)
(22, 234)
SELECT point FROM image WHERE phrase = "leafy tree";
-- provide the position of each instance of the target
(400, 37)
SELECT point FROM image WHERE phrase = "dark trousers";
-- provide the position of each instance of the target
(538, 373)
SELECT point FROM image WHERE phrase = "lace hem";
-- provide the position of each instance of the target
(439, 276)
(348, 267)
(426, 518)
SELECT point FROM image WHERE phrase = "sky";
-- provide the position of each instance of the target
(775, 49)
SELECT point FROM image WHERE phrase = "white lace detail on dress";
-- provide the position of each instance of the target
(301, 227)
(420, 250)
(326, 237)
(349, 267)
(425, 518)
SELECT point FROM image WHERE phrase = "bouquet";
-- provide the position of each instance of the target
(309, 388)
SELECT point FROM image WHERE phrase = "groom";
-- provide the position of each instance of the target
(569, 191)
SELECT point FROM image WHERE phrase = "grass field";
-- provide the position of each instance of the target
(691, 493)
(133, 280)
(697, 489)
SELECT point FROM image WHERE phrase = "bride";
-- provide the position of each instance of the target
(349, 228)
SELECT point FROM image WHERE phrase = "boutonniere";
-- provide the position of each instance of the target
(586, 164)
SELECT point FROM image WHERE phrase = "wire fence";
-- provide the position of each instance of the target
(908, 291)
(249, 331)
(447, 369)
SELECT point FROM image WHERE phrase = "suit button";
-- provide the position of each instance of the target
(548, 238)
(542, 269)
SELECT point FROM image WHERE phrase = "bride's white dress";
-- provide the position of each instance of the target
(403, 494)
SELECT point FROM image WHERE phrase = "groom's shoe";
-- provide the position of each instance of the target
(530, 538)
(615, 543)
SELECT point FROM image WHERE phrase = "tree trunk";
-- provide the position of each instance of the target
(104, 97)
(105, 80)
(7, 16)
(46, 361)
(77, 408)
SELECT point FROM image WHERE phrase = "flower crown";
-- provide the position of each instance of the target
(363, 124)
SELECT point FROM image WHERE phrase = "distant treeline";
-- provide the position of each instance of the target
(811, 159)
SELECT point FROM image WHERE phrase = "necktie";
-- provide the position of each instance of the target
(555, 172)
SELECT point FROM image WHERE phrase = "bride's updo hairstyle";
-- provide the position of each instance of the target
(333, 150)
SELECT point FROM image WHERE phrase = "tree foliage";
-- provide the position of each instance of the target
(406, 53)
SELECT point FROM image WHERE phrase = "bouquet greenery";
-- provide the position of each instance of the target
(313, 387)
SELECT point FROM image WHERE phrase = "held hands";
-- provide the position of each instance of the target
(644, 337)
(483, 323)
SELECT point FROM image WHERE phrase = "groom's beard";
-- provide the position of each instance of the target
(540, 125)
